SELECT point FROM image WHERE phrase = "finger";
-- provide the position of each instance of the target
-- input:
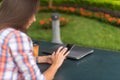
(53, 53)
(63, 51)
(50, 62)
(49, 56)
(59, 49)
(67, 53)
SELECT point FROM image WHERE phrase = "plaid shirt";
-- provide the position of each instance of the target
(16, 57)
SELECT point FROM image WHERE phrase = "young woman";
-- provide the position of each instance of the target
(16, 50)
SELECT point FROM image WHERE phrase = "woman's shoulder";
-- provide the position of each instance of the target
(14, 32)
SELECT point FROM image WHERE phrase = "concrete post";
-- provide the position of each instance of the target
(56, 28)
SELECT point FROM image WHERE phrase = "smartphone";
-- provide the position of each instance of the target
(69, 47)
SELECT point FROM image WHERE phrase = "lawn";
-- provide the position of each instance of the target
(80, 31)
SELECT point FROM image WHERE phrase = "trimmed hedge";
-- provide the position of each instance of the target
(110, 4)
(101, 16)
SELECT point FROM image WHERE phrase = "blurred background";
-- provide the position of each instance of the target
(88, 23)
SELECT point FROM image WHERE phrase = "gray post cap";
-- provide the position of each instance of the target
(55, 16)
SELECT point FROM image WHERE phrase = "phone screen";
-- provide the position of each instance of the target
(69, 46)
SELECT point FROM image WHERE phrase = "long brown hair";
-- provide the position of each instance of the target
(16, 13)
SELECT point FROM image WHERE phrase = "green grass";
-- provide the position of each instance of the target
(80, 31)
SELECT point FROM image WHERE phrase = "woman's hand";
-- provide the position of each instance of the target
(54, 59)
(59, 56)
(44, 59)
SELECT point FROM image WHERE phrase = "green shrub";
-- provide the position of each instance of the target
(111, 4)
(105, 17)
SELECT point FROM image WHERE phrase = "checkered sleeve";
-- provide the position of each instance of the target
(22, 51)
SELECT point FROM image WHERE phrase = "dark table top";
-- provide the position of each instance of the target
(101, 65)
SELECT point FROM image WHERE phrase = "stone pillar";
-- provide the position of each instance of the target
(56, 28)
